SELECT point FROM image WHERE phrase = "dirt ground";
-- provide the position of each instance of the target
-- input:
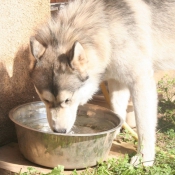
(11, 160)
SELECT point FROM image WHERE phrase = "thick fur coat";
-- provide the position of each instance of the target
(89, 41)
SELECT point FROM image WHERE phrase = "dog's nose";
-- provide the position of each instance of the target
(60, 130)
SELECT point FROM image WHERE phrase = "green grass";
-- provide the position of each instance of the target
(163, 166)
(164, 163)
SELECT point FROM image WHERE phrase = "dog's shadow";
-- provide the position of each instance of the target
(14, 90)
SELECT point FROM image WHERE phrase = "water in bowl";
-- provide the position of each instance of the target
(37, 119)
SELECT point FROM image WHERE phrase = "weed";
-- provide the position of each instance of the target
(163, 166)
(32, 171)
(166, 87)
(125, 136)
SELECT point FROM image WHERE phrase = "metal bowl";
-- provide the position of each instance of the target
(98, 127)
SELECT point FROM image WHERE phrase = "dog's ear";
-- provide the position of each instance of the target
(78, 60)
(37, 49)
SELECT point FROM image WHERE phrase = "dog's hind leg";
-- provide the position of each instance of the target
(119, 96)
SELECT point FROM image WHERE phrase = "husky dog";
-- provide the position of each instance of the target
(121, 41)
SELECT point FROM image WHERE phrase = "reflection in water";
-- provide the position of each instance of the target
(37, 119)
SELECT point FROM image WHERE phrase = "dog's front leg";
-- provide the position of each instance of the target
(144, 98)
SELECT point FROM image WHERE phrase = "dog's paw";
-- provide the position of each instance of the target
(136, 160)
(139, 160)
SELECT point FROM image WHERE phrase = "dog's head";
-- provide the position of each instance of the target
(62, 79)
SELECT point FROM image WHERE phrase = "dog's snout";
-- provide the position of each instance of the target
(62, 130)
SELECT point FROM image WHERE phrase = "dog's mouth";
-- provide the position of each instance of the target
(61, 120)
(62, 131)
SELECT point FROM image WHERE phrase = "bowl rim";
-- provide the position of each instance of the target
(67, 134)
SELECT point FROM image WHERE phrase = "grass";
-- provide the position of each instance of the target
(165, 158)
(166, 122)
(163, 166)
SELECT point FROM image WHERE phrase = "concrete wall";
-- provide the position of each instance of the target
(18, 19)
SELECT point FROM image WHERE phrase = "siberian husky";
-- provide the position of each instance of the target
(89, 41)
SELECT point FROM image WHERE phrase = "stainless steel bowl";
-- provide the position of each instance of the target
(94, 131)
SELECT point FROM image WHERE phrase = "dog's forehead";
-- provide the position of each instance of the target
(67, 81)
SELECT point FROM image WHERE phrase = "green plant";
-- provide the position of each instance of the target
(125, 136)
(163, 166)
(166, 87)
(32, 171)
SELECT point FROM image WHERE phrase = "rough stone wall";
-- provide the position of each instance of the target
(18, 19)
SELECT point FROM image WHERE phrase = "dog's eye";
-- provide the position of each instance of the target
(67, 101)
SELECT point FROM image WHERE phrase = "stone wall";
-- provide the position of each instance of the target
(18, 19)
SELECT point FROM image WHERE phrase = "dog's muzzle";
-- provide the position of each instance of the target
(63, 131)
